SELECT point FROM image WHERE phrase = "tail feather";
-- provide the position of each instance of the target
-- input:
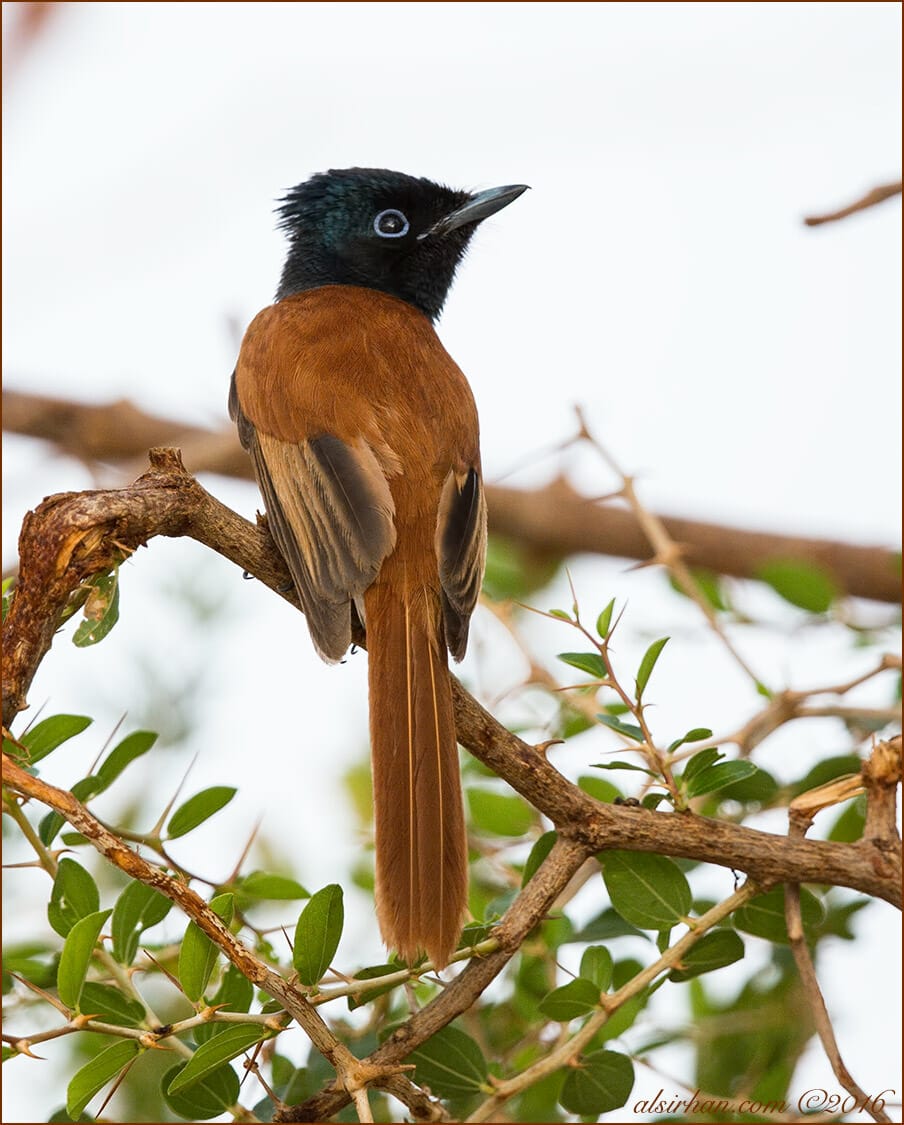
(421, 849)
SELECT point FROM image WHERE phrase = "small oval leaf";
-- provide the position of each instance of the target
(317, 934)
(596, 966)
(74, 896)
(197, 809)
(648, 663)
(137, 909)
(714, 950)
(94, 1075)
(590, 662)
(198, 954)
(499, 813)
(714, 778)
(571, 1001)
(261, 884)
(45, 736)
(604, 620)
(802, 584)
(123, 754)
(451, 1064)
(208, 1097)
(538, 853)
(101, 609)
(649, 891)
(764, 916)
(233, 1041)
(602, 1081)
(76, 956)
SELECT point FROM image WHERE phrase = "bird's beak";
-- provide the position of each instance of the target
(478, 207)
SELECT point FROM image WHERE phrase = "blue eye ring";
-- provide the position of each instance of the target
(395, 223)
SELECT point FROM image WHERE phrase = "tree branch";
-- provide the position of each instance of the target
(554, 519)
(877, 195)
(72, 537)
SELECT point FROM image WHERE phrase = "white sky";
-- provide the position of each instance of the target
(658, 273)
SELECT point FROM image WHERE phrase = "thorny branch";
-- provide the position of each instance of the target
(72, 537)
(879, 777)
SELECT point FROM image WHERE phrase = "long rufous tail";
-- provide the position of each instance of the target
(421, 847)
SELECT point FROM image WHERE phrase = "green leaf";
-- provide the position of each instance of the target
(603, 1082)
(607, 926)
(34, 960)
(137, 909)
(622, 766)
(74, 896)
(53, 821)
(198, 954)
(629, 730)
(123, 754)
(515, 571)
(450, 1063)
(261, 884)
(716, 777)
(590, 662)
(696, 735)
(648, 663)
(599, 788)
(45, 736)
(500, 814)
(604, 620)
(538, 853)
(850, 824)
(622, 1018)
(76, 956)
(596, 966)
(802, 584)
(197, 809)
(233, 1041)
(94, 1075)
(709, 586)
(825, 771)
(317, 934)
(764, 916)
(701, 761)
(561, 614)
(714, 950)
(760, 787)
(111, 1005)
(571, 1001)
(208, 1097)
(649, 891)
(101, 609)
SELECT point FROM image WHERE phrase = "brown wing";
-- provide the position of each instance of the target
(461, 545)
(330, 512)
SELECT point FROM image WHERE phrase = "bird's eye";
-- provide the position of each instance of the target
(391, 224)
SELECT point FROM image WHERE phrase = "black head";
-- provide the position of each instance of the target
(381, 230)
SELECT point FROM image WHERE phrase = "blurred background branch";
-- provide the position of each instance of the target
(554, 520)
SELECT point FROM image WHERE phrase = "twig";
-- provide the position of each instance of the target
(568, 1049)
(666, 550)
(877, 195)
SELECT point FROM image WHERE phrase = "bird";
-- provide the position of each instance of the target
(363, 433)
